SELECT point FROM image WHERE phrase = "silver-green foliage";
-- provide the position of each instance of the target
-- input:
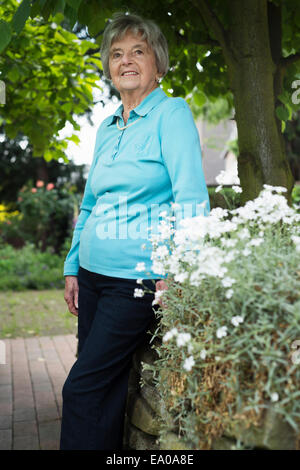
(231, 319)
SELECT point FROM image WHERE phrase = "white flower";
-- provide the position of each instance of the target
(203, 354)
(228, 242)
(230, 256)
(167, 336)
(296, 240)
(237, 320)
(229, 293)
(222, 331)
(244, 233)
(218, 188)
(220, 178)
(228, 281)
(139, 281)
(138, 293)
(246, 252)
(158, 268)
(140, 267)
(157, 296)
(227, 178)
(274, 396)
(237, 189)
(181, 277)
(277, 189)
(183, 338)
(256, 241)
(162, 251)
(189, 363)
(170, 334)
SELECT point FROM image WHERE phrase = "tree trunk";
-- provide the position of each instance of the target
(42, 170)
(255, 82)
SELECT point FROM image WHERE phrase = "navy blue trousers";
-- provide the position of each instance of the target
(112, 323)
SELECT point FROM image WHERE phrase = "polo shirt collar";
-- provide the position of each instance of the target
(148, 103)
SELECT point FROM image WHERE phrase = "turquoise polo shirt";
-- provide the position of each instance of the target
(136, 173)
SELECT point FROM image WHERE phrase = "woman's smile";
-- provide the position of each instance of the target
(129, 73)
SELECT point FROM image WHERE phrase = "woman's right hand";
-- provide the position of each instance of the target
(71, 294)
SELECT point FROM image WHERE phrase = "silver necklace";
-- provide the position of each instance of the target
(128, 125)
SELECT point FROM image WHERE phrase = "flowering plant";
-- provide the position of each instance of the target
(231, 317)
(47, 214)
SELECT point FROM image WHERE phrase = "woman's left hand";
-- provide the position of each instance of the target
(161, 285)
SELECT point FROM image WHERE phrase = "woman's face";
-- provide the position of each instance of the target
(132, 65)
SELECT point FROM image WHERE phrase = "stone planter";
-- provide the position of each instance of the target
(273, 434)
(145, 413)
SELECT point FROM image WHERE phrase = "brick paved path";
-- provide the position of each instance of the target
(30, 391)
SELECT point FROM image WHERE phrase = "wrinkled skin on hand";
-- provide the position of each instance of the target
(161, 285)
(71, 294)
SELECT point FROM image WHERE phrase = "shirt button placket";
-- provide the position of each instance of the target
(116, 147)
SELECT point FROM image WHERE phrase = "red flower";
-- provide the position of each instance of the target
(39, 184)
(50, 186)
(33, 190)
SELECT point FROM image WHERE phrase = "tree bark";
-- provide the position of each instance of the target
(252, 51)
(256, 82)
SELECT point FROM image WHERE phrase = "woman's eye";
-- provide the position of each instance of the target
(116, 55)
(138, 52)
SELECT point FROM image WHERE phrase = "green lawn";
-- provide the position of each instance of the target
(33, 312)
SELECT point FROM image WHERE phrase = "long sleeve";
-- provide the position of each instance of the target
(71, 265)
(182, 155)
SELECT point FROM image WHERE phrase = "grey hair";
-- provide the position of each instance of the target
(120, 24)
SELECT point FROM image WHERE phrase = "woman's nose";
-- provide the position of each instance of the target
(127, 58)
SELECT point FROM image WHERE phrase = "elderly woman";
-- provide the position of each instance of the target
(147, 156)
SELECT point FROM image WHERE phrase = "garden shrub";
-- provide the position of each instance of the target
(227, 198)
(28, 268)
(229, 329)
(47, 215)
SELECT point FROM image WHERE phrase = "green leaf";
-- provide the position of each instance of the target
(74, 4)
(74, 138)
(97, 24)
(59, 6)
(48, 155)
(59, 37)
(48, 8)
(5, 34)
(21, 15)
(35, 9)
(67, 107)
(71, 15)
(86, 45)
(13, 73)
(282, 113)
(199, 98)
(91, 13)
